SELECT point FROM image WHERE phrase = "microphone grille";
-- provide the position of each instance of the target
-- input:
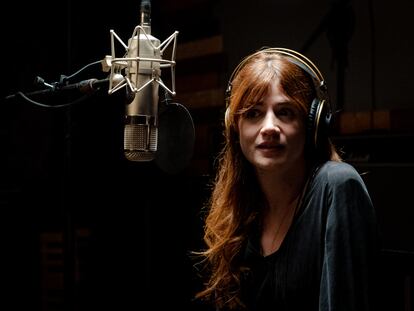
(139, 144)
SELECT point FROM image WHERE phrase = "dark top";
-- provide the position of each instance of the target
(327, 258)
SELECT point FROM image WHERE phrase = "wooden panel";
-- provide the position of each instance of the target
(199, 48)
(202, 99)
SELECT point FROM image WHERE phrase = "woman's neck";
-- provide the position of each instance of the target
(281, 189)
(283, 195)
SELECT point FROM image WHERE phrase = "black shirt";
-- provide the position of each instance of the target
(327, 257)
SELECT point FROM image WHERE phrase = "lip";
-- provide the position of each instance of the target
(270, 148)
(267, 145)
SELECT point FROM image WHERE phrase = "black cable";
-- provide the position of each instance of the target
(82, 69)
(81, 99)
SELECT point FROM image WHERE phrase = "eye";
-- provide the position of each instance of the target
(286, 112)
(252, 113)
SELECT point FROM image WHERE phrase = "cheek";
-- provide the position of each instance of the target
(298, 134)
(246, 136)
(246, 131)
(247, 128)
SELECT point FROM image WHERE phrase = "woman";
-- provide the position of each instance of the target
(289, 225)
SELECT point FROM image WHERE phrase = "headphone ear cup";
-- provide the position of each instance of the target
(319, 120)
(312, 131)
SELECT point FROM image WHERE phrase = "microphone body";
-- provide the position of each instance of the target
(141, 119)
(139, 70)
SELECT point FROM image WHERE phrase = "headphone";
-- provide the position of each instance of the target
(320, 113)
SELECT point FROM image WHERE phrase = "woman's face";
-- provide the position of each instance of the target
(272, 132)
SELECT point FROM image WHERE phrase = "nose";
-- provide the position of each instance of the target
(270, 124)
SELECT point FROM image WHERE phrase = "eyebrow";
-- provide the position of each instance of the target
(286, 103)
(282, 103)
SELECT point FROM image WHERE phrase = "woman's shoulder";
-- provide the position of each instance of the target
(334, 172)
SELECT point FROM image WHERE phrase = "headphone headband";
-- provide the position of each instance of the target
(302, 59)
(295, 57)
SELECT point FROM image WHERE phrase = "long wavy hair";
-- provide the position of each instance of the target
(236, 204)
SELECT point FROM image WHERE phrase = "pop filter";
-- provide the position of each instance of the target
(176, 137)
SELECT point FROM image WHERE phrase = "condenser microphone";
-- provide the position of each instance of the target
(139, 70)
(141, 117)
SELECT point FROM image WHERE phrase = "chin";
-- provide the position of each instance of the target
(268, 164)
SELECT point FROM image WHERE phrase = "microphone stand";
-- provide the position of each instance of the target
(88, 86)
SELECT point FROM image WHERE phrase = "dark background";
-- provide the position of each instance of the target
(83, 229)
